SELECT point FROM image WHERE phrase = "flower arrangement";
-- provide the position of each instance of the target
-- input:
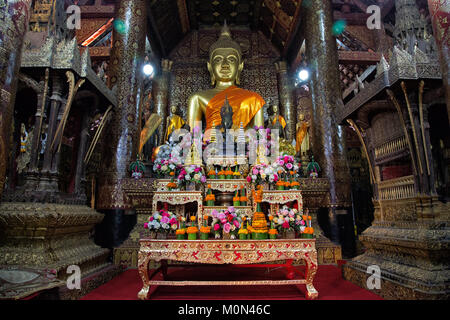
(205, 230)
(212, 174)
(181, 231)
(287, 219)
(259, 173)
(307, 230)
(164, 168)
(191, 174)
(172, 185)
(228, 221)
(162, 222)
(192, 230)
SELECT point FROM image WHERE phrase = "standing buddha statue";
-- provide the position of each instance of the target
(277, 121)
(225, 66)
(173, 123)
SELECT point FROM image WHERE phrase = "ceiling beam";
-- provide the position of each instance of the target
(184, 16)
(154, 33)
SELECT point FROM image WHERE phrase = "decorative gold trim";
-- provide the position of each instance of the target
(411, 118)
(421, 86)
(363, 143)
(402, 121)
(73, 89)
(97, 135)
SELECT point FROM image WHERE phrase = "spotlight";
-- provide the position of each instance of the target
(303, 75)
(148, 70)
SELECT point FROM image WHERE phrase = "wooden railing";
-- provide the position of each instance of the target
(391, 147)
(399, 188)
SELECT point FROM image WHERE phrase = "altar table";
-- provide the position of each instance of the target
(246, 253)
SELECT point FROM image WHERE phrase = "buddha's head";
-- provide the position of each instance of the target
(301, 116)
(275, 109)
(173, 109)
(225, 59)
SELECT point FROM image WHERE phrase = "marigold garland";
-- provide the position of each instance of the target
(180, 231)
(273, 231)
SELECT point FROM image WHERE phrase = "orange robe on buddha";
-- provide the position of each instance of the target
(245, 105)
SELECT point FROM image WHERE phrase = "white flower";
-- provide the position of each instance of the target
(165, 226)
(197, 177)
(187, 177)
(174, 227)
(232, 237)
(164, 168)
(253, 177)
(302, 228)
(156, 224)
(233, 227)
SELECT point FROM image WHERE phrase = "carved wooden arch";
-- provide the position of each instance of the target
(369, 110)
(31, 83)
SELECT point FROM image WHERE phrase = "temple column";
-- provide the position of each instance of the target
(46, 183)
(328, 142)
(161, 97)
(285, 92)
(440, 13)
(123, 132)
(14, 19)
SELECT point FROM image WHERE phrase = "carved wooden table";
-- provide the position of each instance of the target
(246, 253)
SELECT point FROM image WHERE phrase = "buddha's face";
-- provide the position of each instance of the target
(173, 109)
(225, 65)
(275, 109)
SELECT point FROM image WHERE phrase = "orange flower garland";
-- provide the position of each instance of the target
(205, 230)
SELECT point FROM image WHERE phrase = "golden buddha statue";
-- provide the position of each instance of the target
(277, 121)
(173, 123)
(225, 65)
(302, 136)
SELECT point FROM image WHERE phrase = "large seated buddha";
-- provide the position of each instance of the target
(225, 65)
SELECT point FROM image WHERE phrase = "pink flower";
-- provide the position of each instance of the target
(165, 219)
(173, 221)
(289, 166)
(196, 170)
(227, 228)
(151, 219)
(216, 227)
(249, 179)
(223, 221)
(285, 225)
(222, 216)
(275, 177)
(286, 159)
(146, 225)
(302, 222)
(215, 213)
(158, 166)
(281, 163)
(203, 179)
(236, 223)
(255, 171)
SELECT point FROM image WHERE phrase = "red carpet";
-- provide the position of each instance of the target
(328, 282)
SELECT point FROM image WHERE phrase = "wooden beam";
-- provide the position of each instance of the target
(184, 16)
(359, 57)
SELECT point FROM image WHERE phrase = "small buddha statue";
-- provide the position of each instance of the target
(225, 66)
(277, 121)
(302, 137)
(175, 122)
